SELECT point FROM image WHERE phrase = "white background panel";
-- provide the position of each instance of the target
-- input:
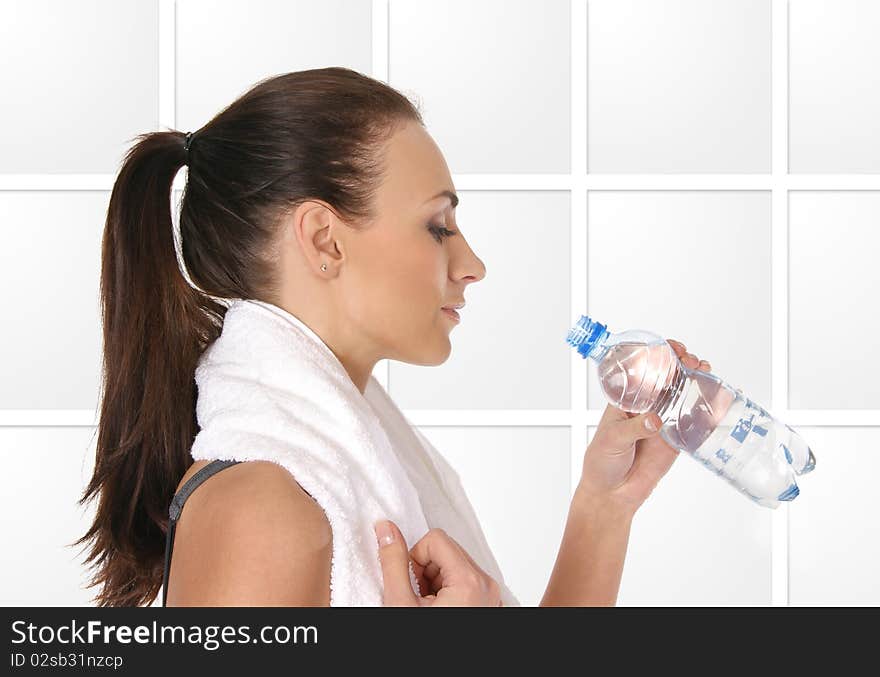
(51, 467)
(693, 266)
(518, 481)
(51, 336)
(696, 541)
(493, 79)
(79, 80)
(224, 47)
(509, 350)
(834, 98)
(835, 522)
(679, 86)
(834, 277)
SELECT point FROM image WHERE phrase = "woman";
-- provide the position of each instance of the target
(319, 192)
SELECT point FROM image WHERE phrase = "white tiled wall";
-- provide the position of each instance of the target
(51, 345)
(835, 533)
(705, 169)
(493, 70)
(79, 79)
(834, 310)
(679, 86)
(690, 265)
(45, 470)
(834, 98)
(223, 48)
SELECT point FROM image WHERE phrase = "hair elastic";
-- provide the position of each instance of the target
(186, 144)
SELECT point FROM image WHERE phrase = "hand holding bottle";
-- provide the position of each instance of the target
(625, 460)
(715, 423)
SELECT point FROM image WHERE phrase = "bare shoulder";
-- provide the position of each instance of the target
(264, 499)
(251, 535)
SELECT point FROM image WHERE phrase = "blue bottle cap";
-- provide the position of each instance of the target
(585, 335)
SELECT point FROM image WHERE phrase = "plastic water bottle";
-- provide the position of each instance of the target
(702, 415)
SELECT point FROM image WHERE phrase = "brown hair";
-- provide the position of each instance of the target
(309, 134)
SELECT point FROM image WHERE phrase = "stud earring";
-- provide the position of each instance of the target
(324, 267)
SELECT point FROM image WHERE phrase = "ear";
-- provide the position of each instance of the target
(315, 227)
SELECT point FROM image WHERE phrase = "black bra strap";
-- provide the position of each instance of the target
(177, 507)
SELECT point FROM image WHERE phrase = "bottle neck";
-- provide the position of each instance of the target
(599, 349)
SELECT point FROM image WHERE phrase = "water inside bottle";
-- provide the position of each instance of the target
(729, 433)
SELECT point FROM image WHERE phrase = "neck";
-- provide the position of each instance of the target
(358, 365)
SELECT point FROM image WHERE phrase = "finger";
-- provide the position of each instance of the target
(612, 414)
(442, 533)
(394, 559)
(421, 579)
(440, 555)
(620, 437)
(690, 360)
(434, 572)
(651, 463)
(678, 346)
(464, 552)
(432, 575)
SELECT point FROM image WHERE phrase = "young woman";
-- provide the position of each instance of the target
(319, 192)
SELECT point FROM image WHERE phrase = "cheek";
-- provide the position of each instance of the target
(399, 288)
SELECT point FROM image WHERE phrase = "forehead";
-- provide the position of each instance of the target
(416, 169)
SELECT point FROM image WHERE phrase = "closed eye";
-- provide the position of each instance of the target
(440, 232)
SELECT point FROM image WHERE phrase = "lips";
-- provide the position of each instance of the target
(452, 313)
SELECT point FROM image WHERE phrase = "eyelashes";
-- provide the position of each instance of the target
(440, 232)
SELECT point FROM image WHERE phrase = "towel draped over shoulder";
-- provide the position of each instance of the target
(270, 389)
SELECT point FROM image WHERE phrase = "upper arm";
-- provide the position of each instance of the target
(255, 539)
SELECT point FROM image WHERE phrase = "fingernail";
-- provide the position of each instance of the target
(384, 534)
(650, 424)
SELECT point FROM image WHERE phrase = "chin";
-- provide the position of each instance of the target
(433, 354)
(442, 357)
(439, 357)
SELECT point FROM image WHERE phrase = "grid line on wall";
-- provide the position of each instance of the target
(579, 235)
(381, 46)
(564, 182)
(167, 64)
(779, 520)
(733, 182)
(819, 418)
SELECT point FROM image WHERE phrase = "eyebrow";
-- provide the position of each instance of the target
(446, 193)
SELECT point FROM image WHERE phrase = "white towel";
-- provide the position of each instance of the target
(270, 389)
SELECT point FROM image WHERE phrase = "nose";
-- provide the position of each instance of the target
(481, 270)
(469, 266)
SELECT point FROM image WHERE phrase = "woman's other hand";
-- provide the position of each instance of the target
(625, 460)
(446, 574)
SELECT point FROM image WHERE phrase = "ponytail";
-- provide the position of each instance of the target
(155, 326)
